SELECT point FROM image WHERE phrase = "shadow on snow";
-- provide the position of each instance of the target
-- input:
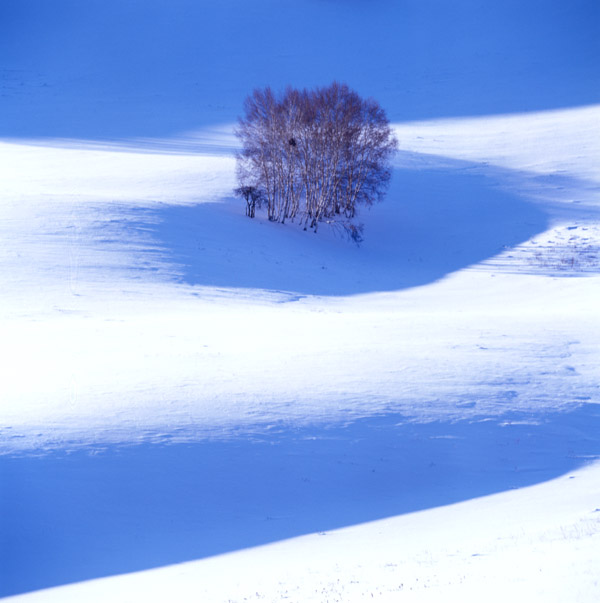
(432, 223)
(68, 517)
(111, 69)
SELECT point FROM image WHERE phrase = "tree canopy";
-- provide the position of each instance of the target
(313, 155)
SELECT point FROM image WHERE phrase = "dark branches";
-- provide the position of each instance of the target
(313, 155)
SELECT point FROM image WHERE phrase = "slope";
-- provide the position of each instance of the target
(292, 415)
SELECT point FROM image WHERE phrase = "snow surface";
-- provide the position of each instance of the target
(196, 406)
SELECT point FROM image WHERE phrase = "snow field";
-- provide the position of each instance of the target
(199, 407)
(537, 544)
(129, 319)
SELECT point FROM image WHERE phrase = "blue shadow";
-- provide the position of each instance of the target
(68, 517)
(118, 69)
(432, 223)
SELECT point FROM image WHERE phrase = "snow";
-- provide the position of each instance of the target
(521, 547)
(197, 406)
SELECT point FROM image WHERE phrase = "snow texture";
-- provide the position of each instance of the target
(199, 406)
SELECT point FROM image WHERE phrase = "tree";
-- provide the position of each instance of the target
(252, 196)
(313, 155)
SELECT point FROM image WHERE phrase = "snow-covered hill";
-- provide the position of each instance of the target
(147, 68)
(268, 414)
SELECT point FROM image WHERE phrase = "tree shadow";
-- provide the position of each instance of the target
(433, 222)
(68, 517)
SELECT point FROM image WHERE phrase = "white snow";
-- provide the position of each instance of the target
(511, 545)
(199, 406)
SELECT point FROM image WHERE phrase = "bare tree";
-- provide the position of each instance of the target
(313, 155)
(252, 196)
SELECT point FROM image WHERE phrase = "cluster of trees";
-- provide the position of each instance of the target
(313, 155)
